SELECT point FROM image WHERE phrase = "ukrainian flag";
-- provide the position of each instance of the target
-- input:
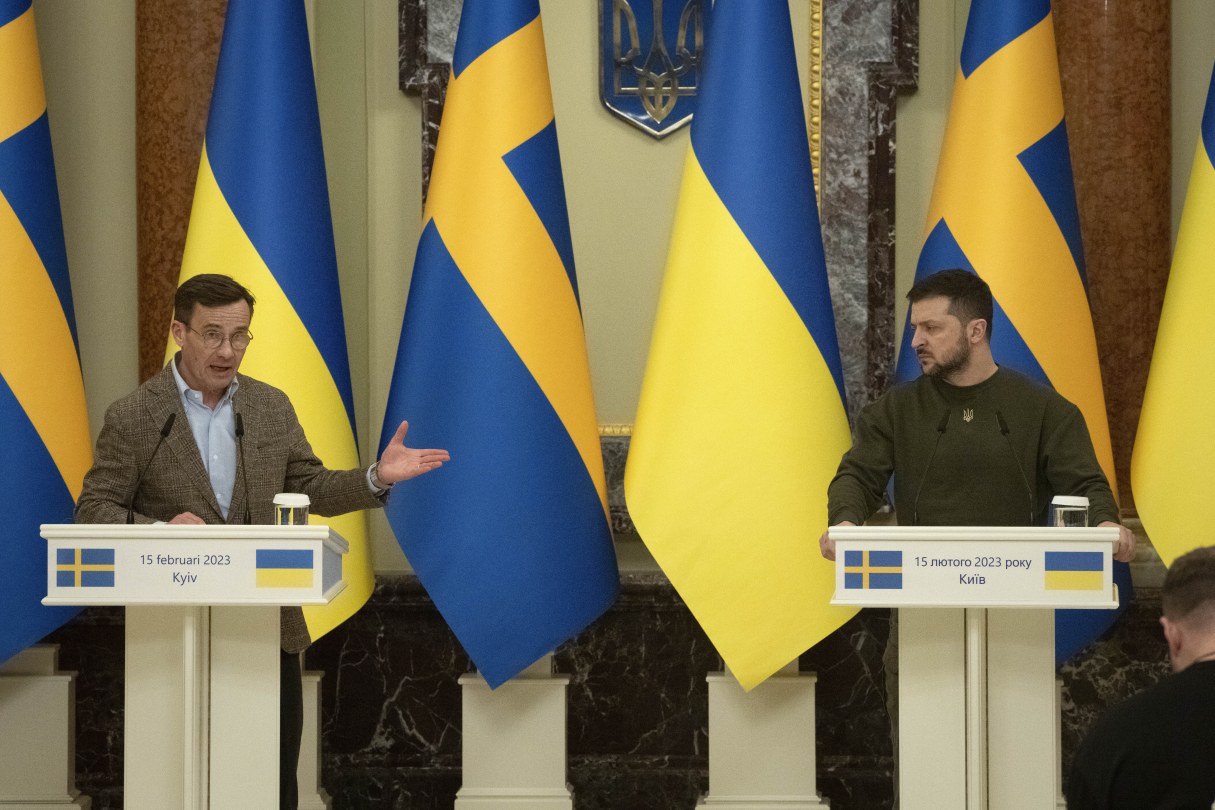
(511, 539)
(1174, 446)
(284, 567)
(261, 215)
(741, 422)
(1074, 570)
(42, 411)
(1004, 207)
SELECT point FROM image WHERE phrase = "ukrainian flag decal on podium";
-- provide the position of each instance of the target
(284, 568)
(1074, 571)
(873, 570)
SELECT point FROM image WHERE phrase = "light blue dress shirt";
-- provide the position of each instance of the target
(215, 434)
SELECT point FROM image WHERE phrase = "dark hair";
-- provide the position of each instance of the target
(1189, 584)
(209, 290)
(969, 296)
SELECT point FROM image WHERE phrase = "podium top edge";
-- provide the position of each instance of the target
(1091, 534)
(154, 531)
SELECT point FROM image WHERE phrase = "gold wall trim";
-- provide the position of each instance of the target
(814, 122)
(615, 430)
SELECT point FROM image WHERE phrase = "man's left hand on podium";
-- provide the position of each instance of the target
(1124, 550)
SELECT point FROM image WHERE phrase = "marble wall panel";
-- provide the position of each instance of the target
(638, 703)
(854, 735)
(869, 55)
(426, 37)
(887, 79)
(390, 703)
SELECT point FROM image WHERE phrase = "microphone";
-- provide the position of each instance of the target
(1020, 469)
(240, 441)
(164, 434)
(915, 508)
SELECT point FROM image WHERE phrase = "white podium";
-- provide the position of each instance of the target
(202, 646)
(977, 728)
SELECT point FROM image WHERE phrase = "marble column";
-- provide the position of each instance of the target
(176, 50)
(1114, 59)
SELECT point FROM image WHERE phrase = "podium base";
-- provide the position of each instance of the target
(514, 742)
(762, 743)
(506, 799)
(37, 745)
(762, 803)
(308, 774)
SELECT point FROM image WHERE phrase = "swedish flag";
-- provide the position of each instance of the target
(1174, 441)
(873, 570)
(42, 410)
(1004, 207)
(511, 539)
(261, 215)
(84, 567)
(741, 422)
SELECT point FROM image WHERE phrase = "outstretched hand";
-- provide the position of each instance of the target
(400, 463)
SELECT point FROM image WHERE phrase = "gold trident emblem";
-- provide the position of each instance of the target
(658, 76)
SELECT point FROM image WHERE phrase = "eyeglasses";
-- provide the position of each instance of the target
(214, 338)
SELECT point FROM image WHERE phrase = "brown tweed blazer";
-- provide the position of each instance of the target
(277, 458)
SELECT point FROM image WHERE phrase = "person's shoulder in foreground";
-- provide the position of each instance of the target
(1156, 751)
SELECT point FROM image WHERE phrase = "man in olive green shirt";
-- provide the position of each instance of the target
(969, 443)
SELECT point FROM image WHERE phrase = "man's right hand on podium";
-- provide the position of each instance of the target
(187, 519)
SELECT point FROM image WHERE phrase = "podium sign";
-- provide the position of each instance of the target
(969, 566)
(163, 564)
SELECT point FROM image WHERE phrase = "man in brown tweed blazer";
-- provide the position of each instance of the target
(232, 444)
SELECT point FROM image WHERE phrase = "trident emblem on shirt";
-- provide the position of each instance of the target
(968, 414)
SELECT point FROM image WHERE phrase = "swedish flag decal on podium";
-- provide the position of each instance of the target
(873, 570)
(84, 567)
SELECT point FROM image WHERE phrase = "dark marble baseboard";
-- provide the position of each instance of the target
(638, 715)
